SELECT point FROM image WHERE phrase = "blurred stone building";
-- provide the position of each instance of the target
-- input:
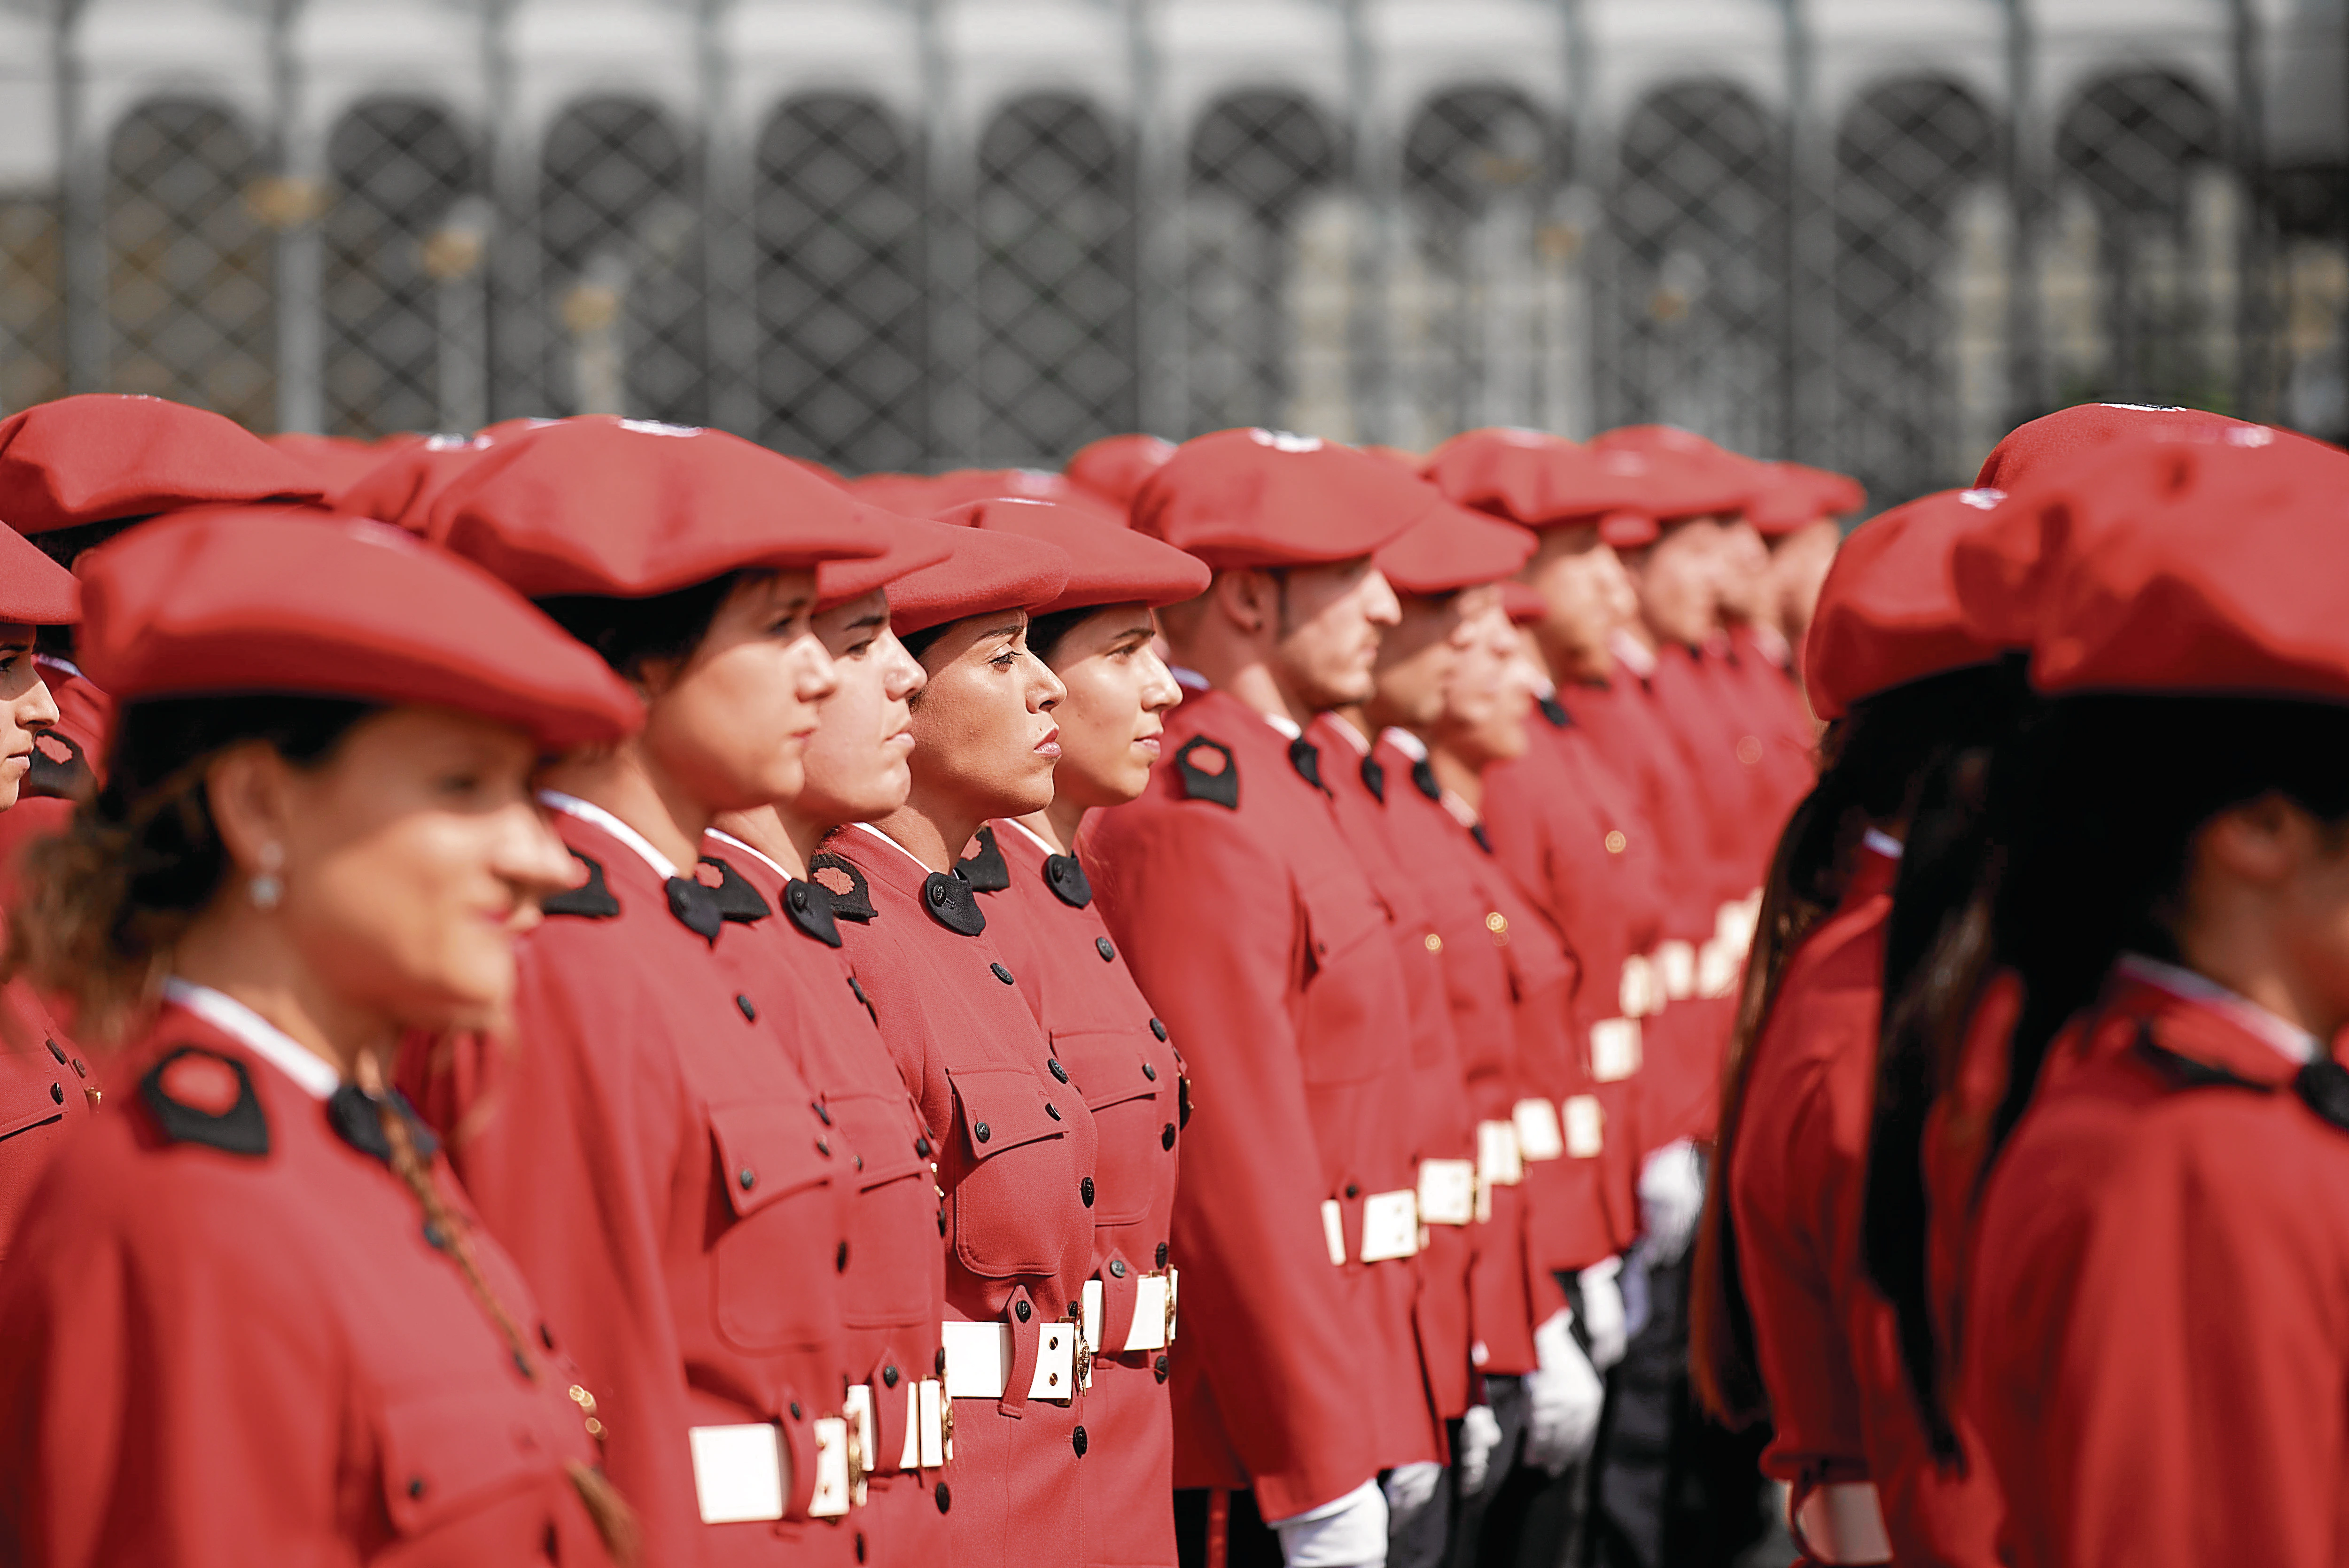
(895, 233)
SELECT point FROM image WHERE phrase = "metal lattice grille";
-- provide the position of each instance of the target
(1256, 160)
(840, 296)
(1699, 217)
(399, 169)
(32, 302)
(1055, 228)
(191, 273)
(1904, 156)
(620, 228)
(2157, 264)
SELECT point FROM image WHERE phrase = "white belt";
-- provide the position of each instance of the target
(1390, 1227)
(1498, 1161)
(979, 1358)
(1154, 1312)
(744, 1473)
(1640, 990)
(1842, 1523)
(929, 1423)
(1615, 1049)
(1585, 1127)
(1717, 964)
(1447, 1192)
(1539, 1135)
(1676, 964)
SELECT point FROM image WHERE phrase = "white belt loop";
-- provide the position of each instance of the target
(1333, 1231)
(1640, 990)
(1498, 1163)
(1842, 1523)
(1585, 1127)
(740, 1473)
(1676, 961)
(979, 1358)
(1447, 1192)
(1538, 1137)
(1615, 1049)
(1390, 1225)
(1154, 1313)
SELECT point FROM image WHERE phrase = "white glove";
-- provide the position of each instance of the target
(1472, 1456)
(1563, 1399)
(1350, 1532)
(1410, 1487)
(1672, 1196)
(1603, 1320)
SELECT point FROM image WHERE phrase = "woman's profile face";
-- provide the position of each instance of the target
(1119, 690)
(25, 709)
(729, 726)
(857, 765)
(986, 738)
(412, 859)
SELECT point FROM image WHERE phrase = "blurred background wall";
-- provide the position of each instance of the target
(907, 234)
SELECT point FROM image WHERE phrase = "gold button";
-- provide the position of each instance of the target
(1435, 943)
(1616, 841)
(1497, 922)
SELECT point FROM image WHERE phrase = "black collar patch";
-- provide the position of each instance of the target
(809, 906)
(1483, 839)
(1422, 777)
(737, 899)
(1065, 875)
(1306, 757)
(986, 871)
(58, 769)
(357, 1119)
(704, 906)
(953, 903)
(197, 1096)
(592, 900)
(1374, 779)
(1555, 712)
(1208, 772)
(851, 895)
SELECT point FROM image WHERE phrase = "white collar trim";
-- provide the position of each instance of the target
(877, 833)
(1345, 728)
(311, 1072)
(1025, 831)
(1188, 678)
(2293, 1042)
(757, 854)
(1883, 843)
(588, 811)
(1283, 723)
(1404, 741)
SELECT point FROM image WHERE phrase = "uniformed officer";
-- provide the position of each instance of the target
(1096, 637)
(1252, 930)
(250, 1317)
(1014, 1143)
(663, 1172)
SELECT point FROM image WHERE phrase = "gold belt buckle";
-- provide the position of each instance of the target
(1084, 1352)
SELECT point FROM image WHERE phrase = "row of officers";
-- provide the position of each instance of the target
(591, 993)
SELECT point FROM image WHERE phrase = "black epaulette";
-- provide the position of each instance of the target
(592, 900)
(1374, 779)
(66, 777)
(2187, 1072)
(1207, 773)
(985, 872)
(2322, 1085)
(197, 1096)
(737, 899)
(1553, 712)
(808, 905)
(851, 895)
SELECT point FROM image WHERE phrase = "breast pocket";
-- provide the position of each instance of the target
(1129, 1082)
(774, 1258)
(1015, 1198)
(449, 1455)
(1351, 963)
(892, 1274)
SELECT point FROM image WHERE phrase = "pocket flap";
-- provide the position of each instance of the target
(447, 1454)
(881, 1135)
(767, 1151)
(1003, 1107)
(1111, 1067)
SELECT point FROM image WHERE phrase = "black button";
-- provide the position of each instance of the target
(840, 1259)
(79, 1070)
(546, 1337)
(748, 1011)
(823, 1111)
(945, 1497)
(416, 1486)
(797, 895)
(938, 895)
(1101, 946)
(888, 1377)
(980, 1130)
(1085, 1191)
(1353, 1190)
(795, 1409)
(1022, 1310)
(58, 1093)
(1117, 1268)
(1059, 1071)
(748, 1177)
(857, 1161)
(1052, 1110)
(1077, 1441)
(922, 1147)
(860, 1534)
(55, 1049)
(1150, 1072)
(942, 1224)
(1161, 1367)
(1157, 1028)
(1001, 973)
(1166, 1136)
(823, 1147)
(1162, 1254)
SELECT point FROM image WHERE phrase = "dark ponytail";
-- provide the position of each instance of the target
(1871, 761)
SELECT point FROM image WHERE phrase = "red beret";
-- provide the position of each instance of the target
(984, 571)
(332, 460)
(1524, 604)
(1263, 498)
(1533, 478)
(1793, 494)
(1452, 550)
(626, 509)
(2065, 437)
(1108, 564)
(1888, 612)
(1685, 475)
(404, 482)
(1115, 467)
(34, 591)
(99, 458)
(2206, 574)
(913, 544)
(221, 600)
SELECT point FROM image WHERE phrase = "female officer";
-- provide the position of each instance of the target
(1096, 637)
(1782, 1319)
(667, 1175)
(1014, 1143)
(250, 1317)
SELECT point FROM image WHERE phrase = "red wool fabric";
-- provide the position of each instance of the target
(1243, 499)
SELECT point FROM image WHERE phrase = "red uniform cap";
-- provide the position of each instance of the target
(2066, 437)
(34, 591)
(626, 509)
(1247, 498)
(1888, 612)
(913, 543)
(1523, 603)
(1541, 480)
(1687, 475)
(1115, 467)
(2207, 574)
(1108, 564)
(1795, 494)
(333, 460)
(99, 457)
(405, 481)
(242, 599)
(1455, 548)
(983, 570)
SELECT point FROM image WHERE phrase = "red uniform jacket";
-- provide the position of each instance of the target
(1829, 1351)
(1759, 666)
(1447, 1127)
(1249, 926)
(224, 1339)
(1015, 1167)
(1073, 975)
(666, 1178)
(48, 1093)
(892, 1291)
